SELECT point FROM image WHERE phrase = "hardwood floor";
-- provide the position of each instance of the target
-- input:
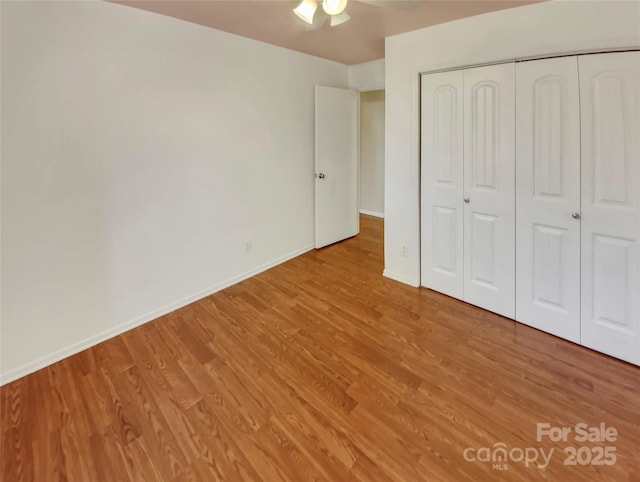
(320, 369)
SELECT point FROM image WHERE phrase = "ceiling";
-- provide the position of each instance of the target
(359, 40)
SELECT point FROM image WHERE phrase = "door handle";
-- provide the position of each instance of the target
(467, 200)
(321, 175)
(575, 215)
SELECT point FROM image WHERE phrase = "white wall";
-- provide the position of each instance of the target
(372, 152)
(540, 29)
(367, 76)
(139, 153)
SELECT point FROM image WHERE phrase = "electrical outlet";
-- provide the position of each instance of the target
(247, 246)
(404, 251)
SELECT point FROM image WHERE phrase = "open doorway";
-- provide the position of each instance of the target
(372, 153)
(371, 141)
(350, 130)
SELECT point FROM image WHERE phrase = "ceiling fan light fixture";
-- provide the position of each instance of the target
(306, 10)
(334, 7)
(339, 19)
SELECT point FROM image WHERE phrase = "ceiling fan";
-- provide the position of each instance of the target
(308, 11)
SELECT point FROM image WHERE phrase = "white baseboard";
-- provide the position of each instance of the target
(402, 279)
(372, 213)
(56, 356)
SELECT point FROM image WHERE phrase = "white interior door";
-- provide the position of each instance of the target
(442, 186)
(610, 122)
(489, 188)
(336, 165)
(548, 196)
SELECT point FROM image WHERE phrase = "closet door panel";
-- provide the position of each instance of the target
(548, 196)
(489, 191)
(442, 186)
(610, 123)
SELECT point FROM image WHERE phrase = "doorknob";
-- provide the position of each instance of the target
(467, 200)
(320, 176)
(575, 215)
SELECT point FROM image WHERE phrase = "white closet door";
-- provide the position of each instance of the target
(489, 188)
(442, 186)
(548, 196)
(610, 122)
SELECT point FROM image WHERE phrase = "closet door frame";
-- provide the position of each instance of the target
(630, 337)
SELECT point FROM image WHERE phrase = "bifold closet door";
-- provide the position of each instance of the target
(489, 188)
(610, 129)
(442, 187)
(548, 196)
